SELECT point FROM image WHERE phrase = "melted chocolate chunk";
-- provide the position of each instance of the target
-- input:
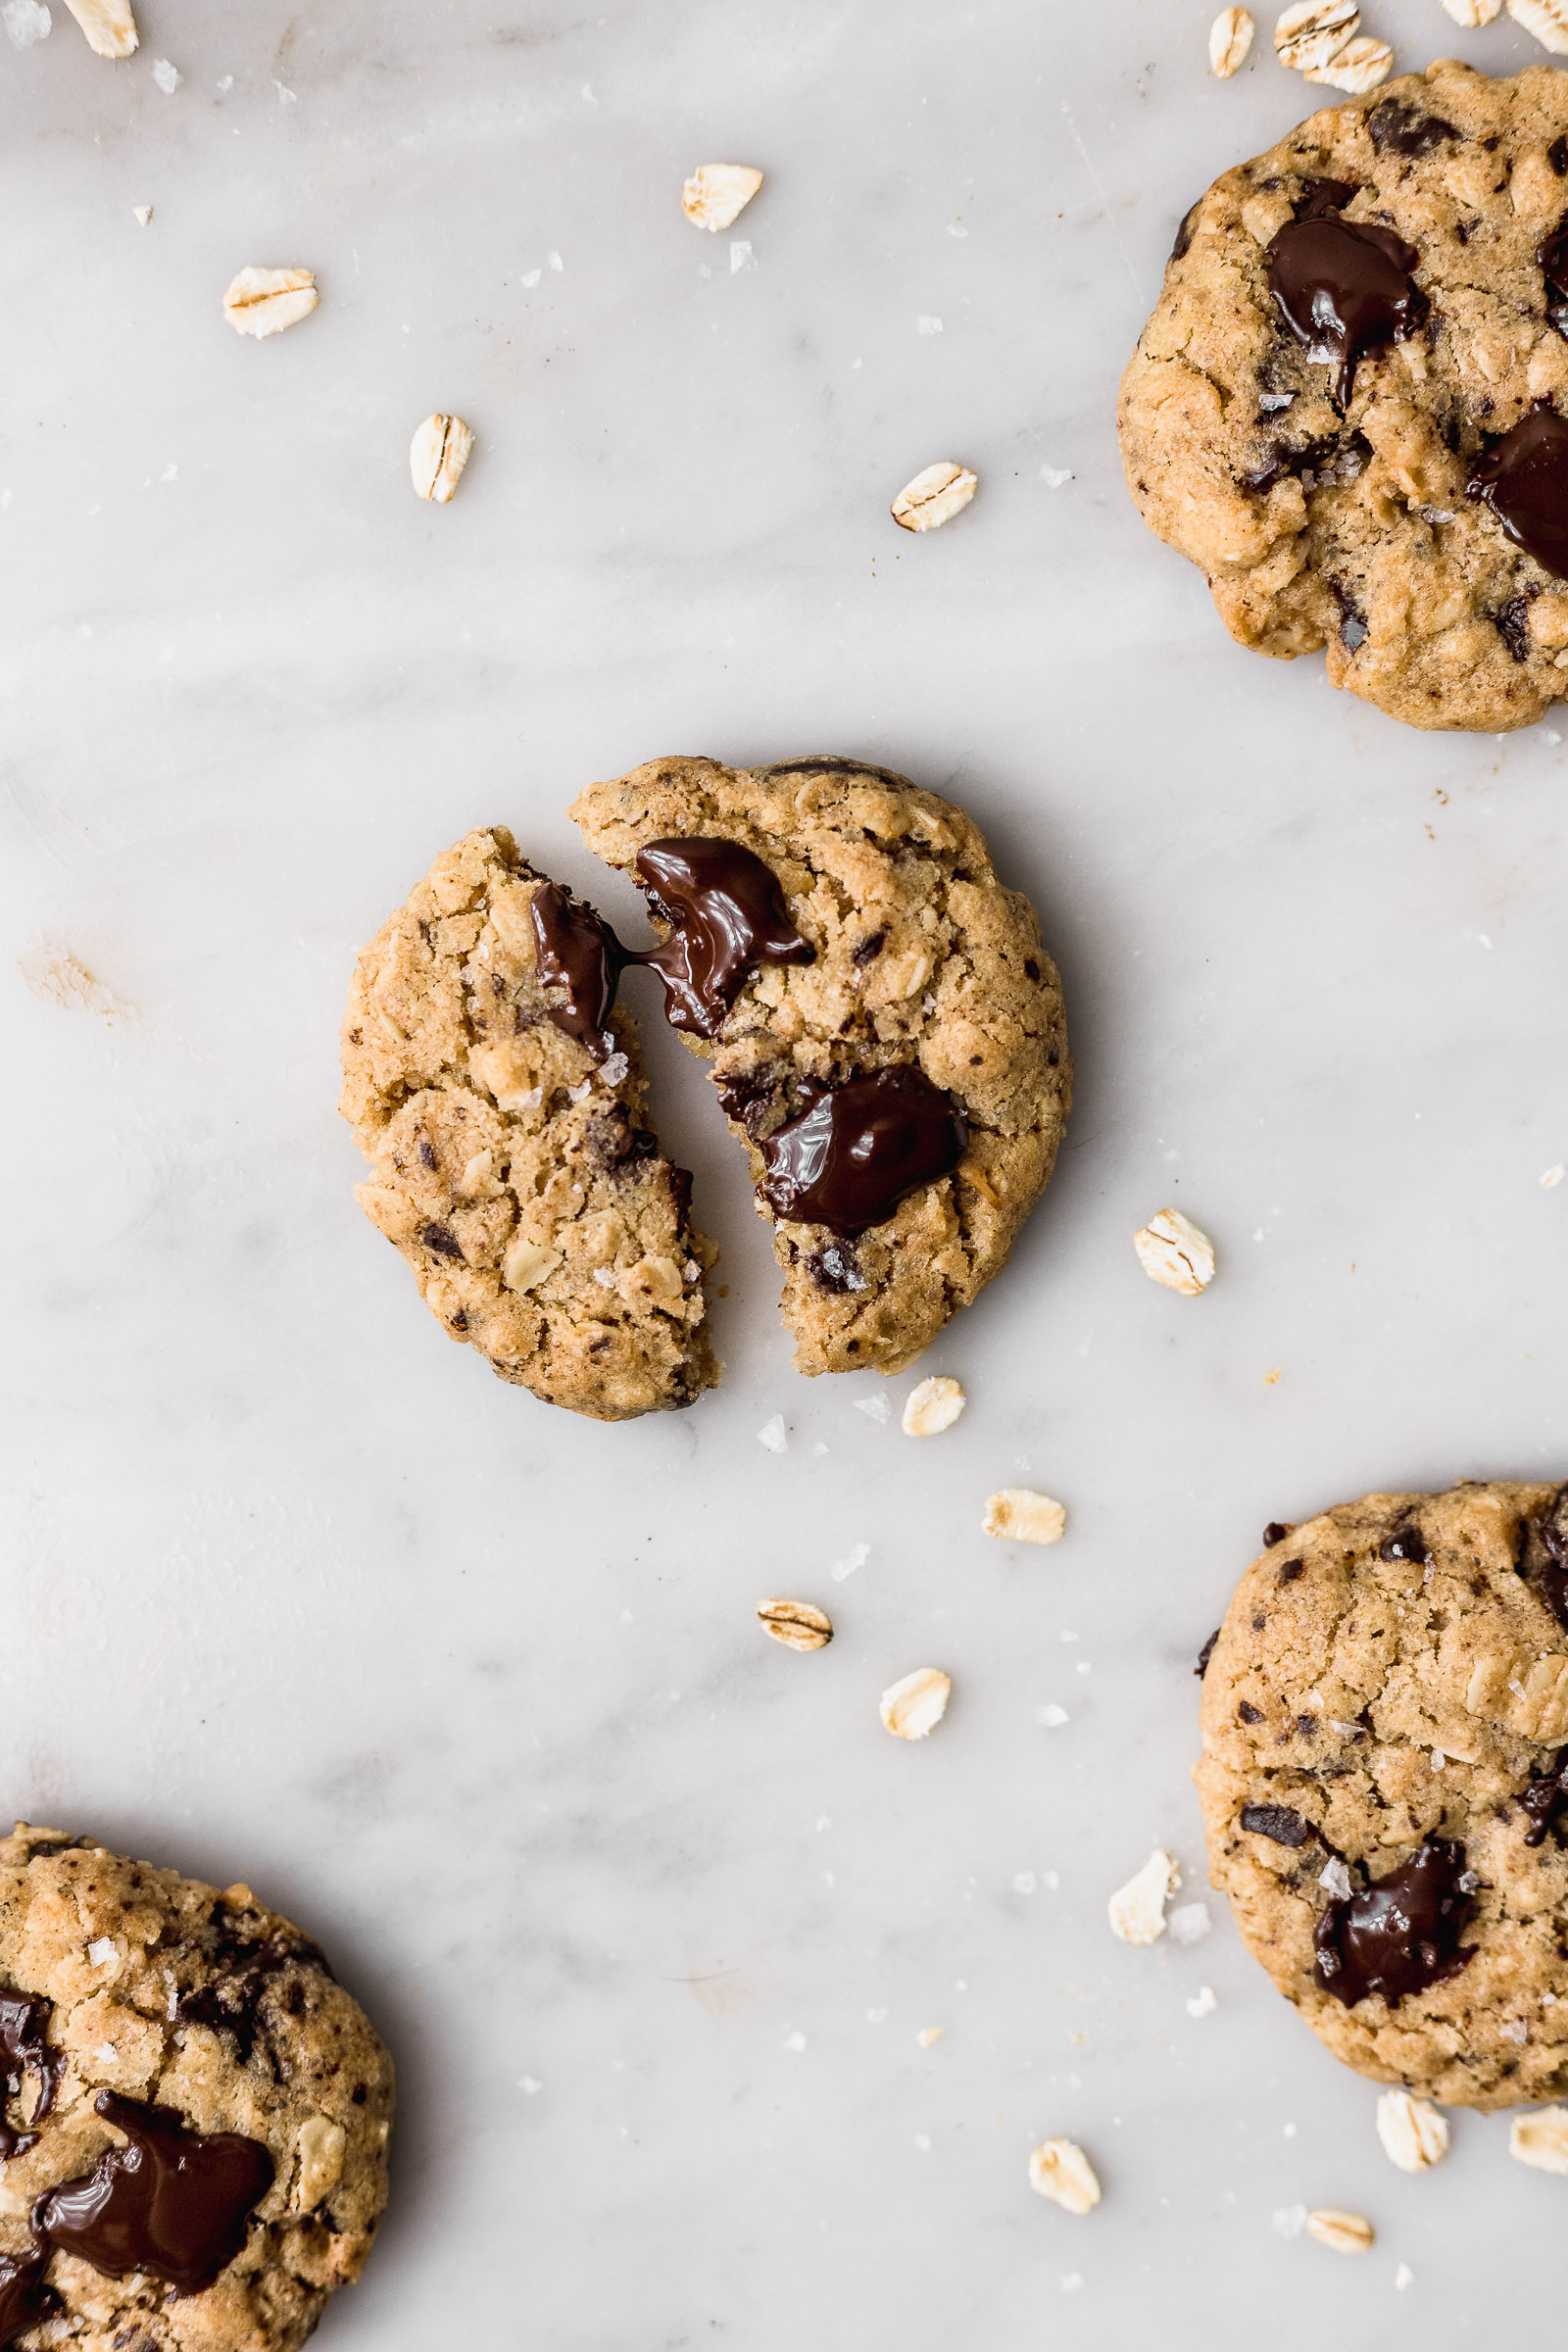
(24, 2021)
(860, 1149)
(1400, 1935)
(575, 950)
(1543, 1800)
(231, 2003)
(727, 915)
(1278, 1822)
(175, 2203)
(1552, 255)
(1404, 1542)
(1343, 287)
(24, 2299)
(1205, 1653)
(1186, 229)
(1523, 477)
(1401, 130)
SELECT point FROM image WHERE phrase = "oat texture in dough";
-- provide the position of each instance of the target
(1385, 1785)
(919, 979)
(511, 1165)
(141, 2011)
(1387, 481)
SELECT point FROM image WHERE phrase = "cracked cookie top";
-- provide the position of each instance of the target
(195, 2112)
(1349, 408)
(890, 1048)
(500, 1101)
(1385, 1784)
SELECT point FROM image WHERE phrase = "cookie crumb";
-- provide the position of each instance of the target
(1343, 2233)
(716, 194)
(1171, 1250)
(913, 1706)
(929, 2036)
(1137, 1911)
(1059, 2169)
(1414, 2135)
(1230, 37)
(1017, 1515)
(932, 1407)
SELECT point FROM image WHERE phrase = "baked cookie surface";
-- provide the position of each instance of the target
(1385, 1784)
(1349, 408)
(196, 2114)
(501, 1109)
(886, 1031)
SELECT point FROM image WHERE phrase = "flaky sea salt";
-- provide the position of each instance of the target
(875, 1408)
(168, 77)
(856, 1557)
(27, 22)
(1337, 1879)
(1189, 1923)
(773, 1435)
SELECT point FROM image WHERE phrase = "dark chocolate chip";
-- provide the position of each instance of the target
(869, 947)
(1291, 1571)
(1248, 1713)
(1545, 1799)
(1278, 1822)
(426, 1153)
(1523, 477)
(1404, 1542)
(1205, 1653)
(1276, 1532)
(1397, 128)
(1513, 624)
(1186, 229)
(23, 2049)
(442, 1240)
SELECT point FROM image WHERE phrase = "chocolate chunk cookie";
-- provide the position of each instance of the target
(193, 2115)
(499, 1100)
(1385, 1784)
(1350, 406)
(884, 1025)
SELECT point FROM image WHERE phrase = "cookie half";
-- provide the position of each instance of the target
(885, 1028)
(1385, 1784)
(1351, 405)
(195, 2113)
(500, 1102)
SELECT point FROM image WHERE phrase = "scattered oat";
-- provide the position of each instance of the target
(929, 2036)
(56, 978)
(875, 1408)
(1189, 1923)
(437, 455)
(773, 1435)
(915, 1706)
(1271, 1378)
(1554, 1177)
(1018, 1516)
(168, 77)
(1314, 32)
(1414, 2135)
(27, 22)
(1546, 20)
(143, 213)
(1359, 67)
(108, 25)
(1471, 13)
(1344, 2233)
(719, 193)
(1172, 1251)
(795, 1623)
(1059, 2169)
(935, 496)
(1230, 37)
(1137, 1911)
(263, 302)
(1540, 2139)
(320, 2146)
(932, 1407)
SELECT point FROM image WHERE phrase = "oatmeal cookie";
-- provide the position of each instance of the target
(1351, 405)
(1385, 1784)
(500, 1101)
(194, 2115)
(885, 1028)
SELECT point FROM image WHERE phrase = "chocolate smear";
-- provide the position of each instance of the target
(1343, 287)
(24, 2021)
(860, 1149)
(576, 951)
(1400, 1935)
(175, 2203)
(1523, 477)
(24, 2299)
(231, 2004)
(727, 914)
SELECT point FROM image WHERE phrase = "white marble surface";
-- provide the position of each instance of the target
(651, 1911)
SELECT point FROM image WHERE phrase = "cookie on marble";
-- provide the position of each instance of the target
(194, 2114)
(885, 1028)
(1350, 406)
(499, 1100)
(1385, 1784)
